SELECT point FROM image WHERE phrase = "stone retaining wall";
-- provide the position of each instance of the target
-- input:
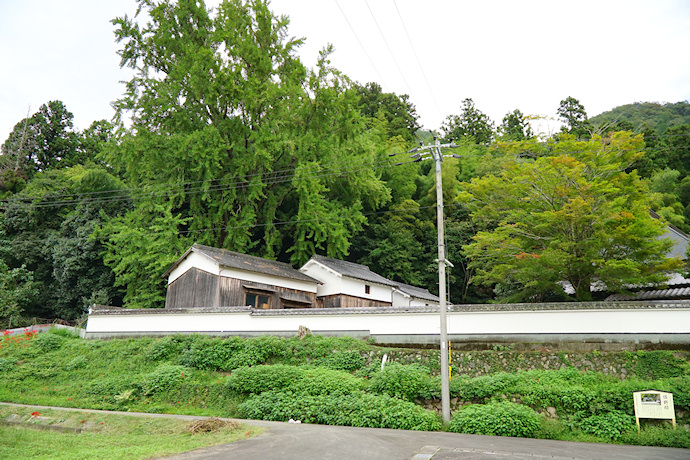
(477, 363)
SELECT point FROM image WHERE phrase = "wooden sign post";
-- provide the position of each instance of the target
(653, 404)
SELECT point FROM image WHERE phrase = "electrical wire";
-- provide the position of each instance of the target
(390, 51)
(138, 236)
(126, 195)
(365, 165)
(361, 44)
(421, 67)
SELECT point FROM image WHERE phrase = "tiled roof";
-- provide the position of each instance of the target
(231, 259)
(417, 292)
(675, 293)
(353, 270)
(556, 306)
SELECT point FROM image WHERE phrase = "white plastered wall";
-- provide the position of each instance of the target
(354, 287)
(642, 321)
(193, 260)
(332, 281)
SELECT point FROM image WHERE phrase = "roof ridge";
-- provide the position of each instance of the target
(240, 254)
(319, 256)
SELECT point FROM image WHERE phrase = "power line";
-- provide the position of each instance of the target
(119, 236)
(390, 51)
(361, 44)
(433, 97)
(269, 178)
(162, 190)
(172, 189)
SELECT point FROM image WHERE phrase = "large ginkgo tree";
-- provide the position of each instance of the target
(229, 140)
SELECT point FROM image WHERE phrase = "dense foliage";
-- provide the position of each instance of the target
(224, 137)
(498, 419)
(298, 379)
(573, 214)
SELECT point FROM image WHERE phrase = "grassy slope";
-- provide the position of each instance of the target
(196, 375)
(104, 435)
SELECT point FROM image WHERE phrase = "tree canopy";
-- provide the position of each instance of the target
(573, 215)
(574, 117)
(249, 145)
(471, 122)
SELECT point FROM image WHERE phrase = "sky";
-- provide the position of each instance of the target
(504, 54)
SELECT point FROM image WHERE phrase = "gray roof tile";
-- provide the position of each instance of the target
(675, 293)
(353, 270)
(231, 259)
(419, 293)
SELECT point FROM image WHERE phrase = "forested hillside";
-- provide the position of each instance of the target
(224, 137)
(646, 115)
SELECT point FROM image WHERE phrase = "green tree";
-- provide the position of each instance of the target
(239, 145)
(574, 118)
(48, 230)
(17, 290)
(515, 127)
(675, 148)
(400, 114)
(574, 215)
(664, 198)
(471, 122)
(44, 141)
(396, 247)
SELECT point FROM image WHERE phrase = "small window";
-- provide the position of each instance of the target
(367, 289)
(257, 301)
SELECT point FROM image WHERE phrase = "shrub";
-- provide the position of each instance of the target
(499, 419)
(342, 361)
(611, 425)
(211, 354)
(48, 342)
(164, 378)
(356, 409)
(320, 380)
(658, 436)
(76, 363)
(165, 347)
(257, 379)
(231, 353)
(7, 364)
(568, 399)
(680, 387)
(106, 388)
(312, 380)
(400, 381)
(481, 388)
(654, 365)
(311, 348)
(63, 332)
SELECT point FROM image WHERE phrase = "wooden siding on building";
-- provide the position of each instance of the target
(348, 301)
(197, 288)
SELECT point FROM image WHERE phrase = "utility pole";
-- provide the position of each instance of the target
(420, 153)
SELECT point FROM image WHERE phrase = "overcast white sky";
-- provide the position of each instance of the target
(505, 54)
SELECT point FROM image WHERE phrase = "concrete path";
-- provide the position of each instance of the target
(286, 441)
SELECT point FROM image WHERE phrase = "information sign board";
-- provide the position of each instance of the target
(653, 404)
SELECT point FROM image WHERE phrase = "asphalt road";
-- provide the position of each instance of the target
(301, 441)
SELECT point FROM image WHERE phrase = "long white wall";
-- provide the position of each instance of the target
(464, 323)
